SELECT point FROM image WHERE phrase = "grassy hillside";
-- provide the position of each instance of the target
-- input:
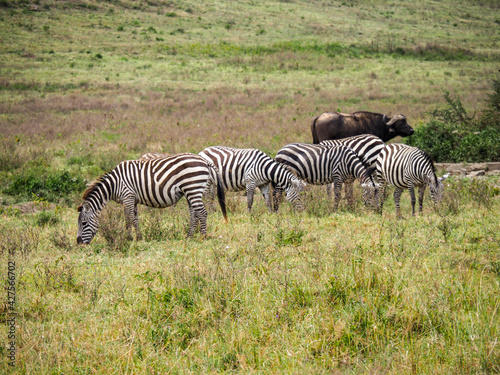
(87, 84)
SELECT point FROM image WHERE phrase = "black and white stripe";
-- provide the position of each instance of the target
(153, 155)
(251, 168)
(159, 183)
(367, 146)
(407, 167)
(320, 165)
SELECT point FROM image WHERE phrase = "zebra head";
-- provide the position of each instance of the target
(294, 188)
(370, 188)
(436, 187)
(88, 223)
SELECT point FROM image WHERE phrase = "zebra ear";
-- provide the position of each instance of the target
(85, 206)
(441, 179)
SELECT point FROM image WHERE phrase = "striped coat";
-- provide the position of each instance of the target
(159, 183)
(248, 169)
(367, 146)
(320, 165)
(407, 167)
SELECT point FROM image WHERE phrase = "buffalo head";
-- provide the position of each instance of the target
(397, 125)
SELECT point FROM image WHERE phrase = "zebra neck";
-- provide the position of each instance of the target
(277, 174)
(97, 200)
(103, 192)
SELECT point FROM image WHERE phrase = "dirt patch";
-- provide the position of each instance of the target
(32, 207)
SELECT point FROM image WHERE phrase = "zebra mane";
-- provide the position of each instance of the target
(428, 159)
(90, 189)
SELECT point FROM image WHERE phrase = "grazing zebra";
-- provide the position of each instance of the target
(153, 155)
(367, 146)
(320, 165)
(159, 183)
(407, 167)
(250, 168)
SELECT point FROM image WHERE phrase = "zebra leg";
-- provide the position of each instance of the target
(202, 217)
(138, 233)
(411, 190)
(421, 191)
(337, 190)
(329, 189)
(198, 214)
(264, 189)
(132, 218)
(381, 195)
(193, 220)
(210, 194)
(250, 193)
(397, 197)
(349, 193)
(277, 198)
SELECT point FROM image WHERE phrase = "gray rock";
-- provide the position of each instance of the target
(476, 173)
(456, 169)
(475, 167)
(493, 166)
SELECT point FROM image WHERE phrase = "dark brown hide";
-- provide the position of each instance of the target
(335, 125)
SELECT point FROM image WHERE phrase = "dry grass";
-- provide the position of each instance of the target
(266, 293)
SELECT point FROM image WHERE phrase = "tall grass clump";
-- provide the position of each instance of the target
(454, 135)
(112, 227)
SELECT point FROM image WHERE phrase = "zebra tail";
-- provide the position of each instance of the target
(221, 196)
(369, 171)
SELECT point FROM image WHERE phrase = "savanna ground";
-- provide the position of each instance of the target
(85, 85)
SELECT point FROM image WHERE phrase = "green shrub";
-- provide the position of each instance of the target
(52, 187)
(47, 218)
(112, 227)
(453, 135)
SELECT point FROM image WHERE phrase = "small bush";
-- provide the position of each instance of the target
(453, 135)
(9, 157)
(292, 237)
(113, 228)
(45, 218)
(61, 240)
(52, 187)
(157, 226)
(20, 240)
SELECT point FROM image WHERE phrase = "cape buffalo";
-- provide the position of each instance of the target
(335, 125)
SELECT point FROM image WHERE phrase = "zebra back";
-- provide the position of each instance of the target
(153, 155)
(320, 164)
(156, 182)
(367, 146)
(237, 165)
(401, 165)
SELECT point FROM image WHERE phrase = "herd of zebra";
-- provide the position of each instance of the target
(160, 180)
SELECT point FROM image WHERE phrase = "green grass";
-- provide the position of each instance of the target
(85, 85)
(352, 291)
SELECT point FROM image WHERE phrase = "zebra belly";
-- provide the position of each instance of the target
(161, 200)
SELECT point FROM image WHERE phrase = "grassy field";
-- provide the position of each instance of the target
(87, 84)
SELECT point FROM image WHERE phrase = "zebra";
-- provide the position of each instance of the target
(407, 167)
(153, 155)
(159, 183)
(319, 165)
(367, 146)
(250, 168)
